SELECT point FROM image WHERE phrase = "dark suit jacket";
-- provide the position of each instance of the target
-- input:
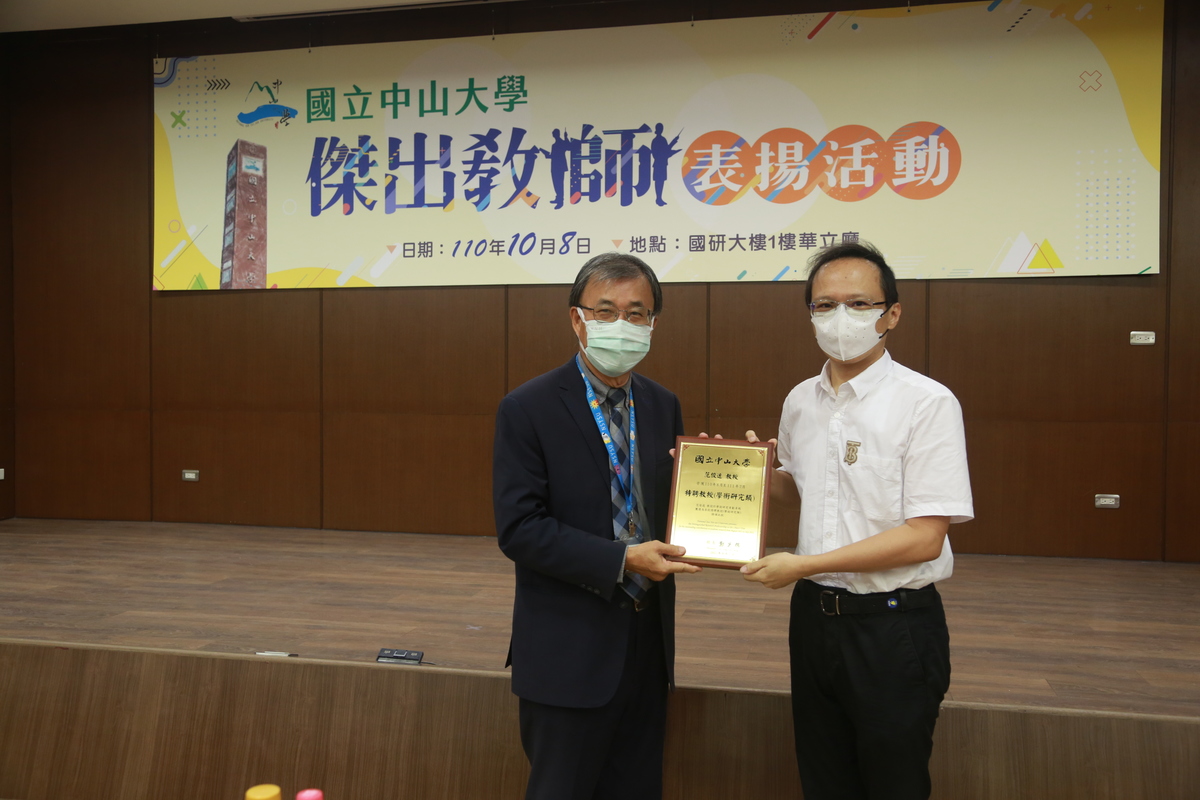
(551, 491)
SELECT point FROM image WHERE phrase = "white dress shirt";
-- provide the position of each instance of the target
(886, 447)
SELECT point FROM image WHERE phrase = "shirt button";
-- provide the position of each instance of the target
(831, 493)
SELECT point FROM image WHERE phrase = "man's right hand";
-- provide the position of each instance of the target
(650, 559)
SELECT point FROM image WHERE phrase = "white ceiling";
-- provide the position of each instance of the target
(38, 15)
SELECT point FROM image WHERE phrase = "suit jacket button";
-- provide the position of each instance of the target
(624, 605)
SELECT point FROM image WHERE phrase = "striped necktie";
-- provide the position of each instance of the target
(635, 585)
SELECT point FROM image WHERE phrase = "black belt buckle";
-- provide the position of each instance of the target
(837, 608)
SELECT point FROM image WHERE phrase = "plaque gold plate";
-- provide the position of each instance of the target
(720, 492)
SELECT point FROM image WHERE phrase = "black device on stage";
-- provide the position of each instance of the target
(390, 656)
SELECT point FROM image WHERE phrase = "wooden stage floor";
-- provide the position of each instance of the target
(1106, 636)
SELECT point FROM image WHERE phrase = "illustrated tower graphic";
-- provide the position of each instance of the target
(244, 254)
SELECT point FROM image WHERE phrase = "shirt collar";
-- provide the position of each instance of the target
(601, 388)
(865, 381)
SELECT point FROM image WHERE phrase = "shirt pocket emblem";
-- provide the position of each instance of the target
(852, 451)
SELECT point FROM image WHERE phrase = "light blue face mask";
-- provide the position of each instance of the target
(615, 348)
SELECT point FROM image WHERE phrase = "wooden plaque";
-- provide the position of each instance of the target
(720, 492)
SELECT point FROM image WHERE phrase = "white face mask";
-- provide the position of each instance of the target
(845, 334)
(615, 348)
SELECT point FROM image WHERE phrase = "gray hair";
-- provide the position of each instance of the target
(615, 267)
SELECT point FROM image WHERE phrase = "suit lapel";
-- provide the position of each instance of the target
(574, 397)
(650, 438)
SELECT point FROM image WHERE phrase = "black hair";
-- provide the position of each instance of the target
(863, 250)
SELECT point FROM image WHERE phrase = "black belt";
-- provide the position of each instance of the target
(835, 602)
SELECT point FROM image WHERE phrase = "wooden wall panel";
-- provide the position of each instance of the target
(412, 379)
(83, 464)
(753, 755)
(1035, 483)
(245, 351)
(81, 233)
(81, 291)
(1050, 349)
(415, 473)
(678, 357)
(1059, 407)
(1183, 337)
(237, 393)
(1001, 752)
(761, 346)
(539, 331)
(256, 467)
(414, 351)
(8, 453)
(1182, 530)
(909, 341)
(7, 385)
(128, 724)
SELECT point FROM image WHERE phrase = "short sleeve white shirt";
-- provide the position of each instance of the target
(886, 447)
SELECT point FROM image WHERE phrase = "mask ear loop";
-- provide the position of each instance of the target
(582, 319)
(885, 310)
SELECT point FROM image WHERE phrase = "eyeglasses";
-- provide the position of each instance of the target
(635, 316)
(859, 308)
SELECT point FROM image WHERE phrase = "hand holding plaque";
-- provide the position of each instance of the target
(719, 497)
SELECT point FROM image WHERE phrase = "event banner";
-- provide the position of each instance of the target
(985, 139)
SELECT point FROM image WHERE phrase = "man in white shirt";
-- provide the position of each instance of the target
(876, 454)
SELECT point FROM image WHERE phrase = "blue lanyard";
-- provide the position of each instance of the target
(598, 415)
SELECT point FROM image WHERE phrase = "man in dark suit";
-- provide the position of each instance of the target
(581, 476)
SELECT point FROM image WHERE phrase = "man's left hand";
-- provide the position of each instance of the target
(702, 435)
(776, 570)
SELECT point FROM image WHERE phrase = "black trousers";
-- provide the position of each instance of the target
(865, 695)
(614, 752)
